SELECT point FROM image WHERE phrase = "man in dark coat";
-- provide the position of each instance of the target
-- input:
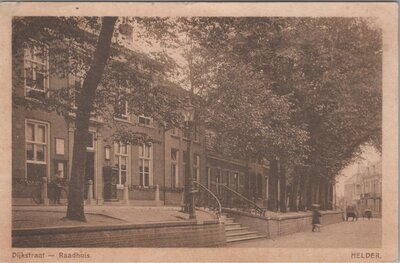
(57, 184)
(315, 218)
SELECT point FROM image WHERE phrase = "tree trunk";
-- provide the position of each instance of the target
(303, 189)
(248, 179)
(282, 186)
(331, 202)
(321, 194)
(295, 192)
(310, 193)
(75, 210)
(273, 186)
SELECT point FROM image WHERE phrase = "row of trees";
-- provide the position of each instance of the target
(304, 93)
(301, 92)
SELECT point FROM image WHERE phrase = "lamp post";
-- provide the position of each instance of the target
(188, 114)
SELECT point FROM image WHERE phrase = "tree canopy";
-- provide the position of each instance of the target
(306, 91)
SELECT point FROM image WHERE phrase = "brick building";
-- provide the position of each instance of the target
(246, 178)
(42, 144)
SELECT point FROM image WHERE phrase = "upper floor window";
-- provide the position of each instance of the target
(90, 142)
(121, 110)
(174, 131)
(76, 83)
(196, 134)
(36, 70)
(121, 107)
(145, 120)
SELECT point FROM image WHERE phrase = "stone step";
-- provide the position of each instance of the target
(241, 234)
(231, 225)
(236, 230)
(228, 220)
(237, 239)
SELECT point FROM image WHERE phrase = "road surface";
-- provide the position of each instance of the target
(360, 234)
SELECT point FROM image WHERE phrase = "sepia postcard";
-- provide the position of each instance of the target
(199, 132)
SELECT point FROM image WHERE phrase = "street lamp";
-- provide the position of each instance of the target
(188, 115)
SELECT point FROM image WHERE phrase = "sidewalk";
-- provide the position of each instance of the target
(47, 216)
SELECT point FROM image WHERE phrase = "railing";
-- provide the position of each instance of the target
(232, 199)
(207, 199)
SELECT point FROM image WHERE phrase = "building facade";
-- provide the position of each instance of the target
(42, 143)
(364, 189)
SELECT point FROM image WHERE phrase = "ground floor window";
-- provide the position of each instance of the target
(121, 161)
(259, 185)
(36, 146)
(174, 168)
(236, 182)
(218, 181)
(196, 166)
(208, 177)
(145, 164)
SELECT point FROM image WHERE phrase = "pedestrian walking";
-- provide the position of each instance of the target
(356, 213)
(57, 180)
(316, 223)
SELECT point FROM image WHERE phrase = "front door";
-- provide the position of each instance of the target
(89, 171)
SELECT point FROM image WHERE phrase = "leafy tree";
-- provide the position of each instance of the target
(112, 73)
(323, 75)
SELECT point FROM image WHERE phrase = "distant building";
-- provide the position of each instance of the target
(364, 189)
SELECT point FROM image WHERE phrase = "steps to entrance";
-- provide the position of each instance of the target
(235, 232)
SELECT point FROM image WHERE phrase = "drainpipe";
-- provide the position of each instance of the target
(165, 153)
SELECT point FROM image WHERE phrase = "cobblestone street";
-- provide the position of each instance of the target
(360, 234)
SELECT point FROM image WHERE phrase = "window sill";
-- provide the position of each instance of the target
(93, 119)
(37, 100)
(146, 126)
(36, 162)
(122, 120)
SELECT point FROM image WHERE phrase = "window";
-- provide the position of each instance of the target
(218, 181)
(145, 165)
(36, 134)
(196, 166)
(236, 182)
(60, 146)
(259, 185)
(121, 109)
(145, 121)
(121, 153)
(90, 142)
(174, 131)
(76, 83)
(174, 168)
(36, 70)
(208, 177)
(196, 136)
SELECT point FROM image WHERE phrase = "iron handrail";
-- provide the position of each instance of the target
(260, 210)
(212, 194)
